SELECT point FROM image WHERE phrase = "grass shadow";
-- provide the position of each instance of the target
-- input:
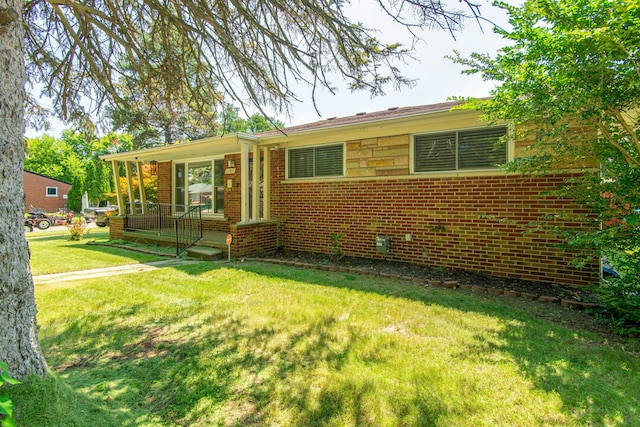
(545, 340)
(220, 366)
(159, 363)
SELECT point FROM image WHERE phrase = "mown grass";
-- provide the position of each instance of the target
(254, 344)
(53, 252)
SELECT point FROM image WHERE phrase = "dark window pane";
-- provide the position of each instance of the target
(464, 150)
(301, 163)
(180, 193)
(316, 161)
(435, 152)
(481, 149)
(218, 166)
(329, 161)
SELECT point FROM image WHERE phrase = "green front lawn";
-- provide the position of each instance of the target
(255, 344)
(53, 252)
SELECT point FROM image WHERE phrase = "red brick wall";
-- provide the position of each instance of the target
(232, 194)
(215, 225)
(254, 239)
(116, 227)
(35, 192)
(470, 223)
(164, 182)
(453, 222)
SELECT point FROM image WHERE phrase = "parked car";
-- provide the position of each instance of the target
(100, 215)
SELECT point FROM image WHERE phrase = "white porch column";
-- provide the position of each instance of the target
(244, 182)
(116, 178)
(255, 197)
(143, 196)
(266, 181)
(130, 187)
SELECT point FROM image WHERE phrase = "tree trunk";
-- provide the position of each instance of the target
(19, 345)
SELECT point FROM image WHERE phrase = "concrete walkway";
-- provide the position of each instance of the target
(109, 271)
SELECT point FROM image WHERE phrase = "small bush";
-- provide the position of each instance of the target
(621, 296)
(77, 229)
(336, 247)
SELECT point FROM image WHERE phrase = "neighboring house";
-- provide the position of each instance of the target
(416, 184)
(43, 192)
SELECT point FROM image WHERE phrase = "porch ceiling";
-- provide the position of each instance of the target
(207, 147)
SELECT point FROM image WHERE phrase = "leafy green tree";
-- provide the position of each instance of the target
(252, 51)
(232, 122)
(75, 158)
(74, 197)
(159, 108)
(52, 157)
(569, 77)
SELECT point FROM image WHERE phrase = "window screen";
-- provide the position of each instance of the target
(481, 149)
(435, 152)
(461, 150)
(316, 161)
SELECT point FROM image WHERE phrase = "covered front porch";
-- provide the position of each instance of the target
(206, 190)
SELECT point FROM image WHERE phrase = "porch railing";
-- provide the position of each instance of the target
(180, 222)
(158, 218)
(188, 229)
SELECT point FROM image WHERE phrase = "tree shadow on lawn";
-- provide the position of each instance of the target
(219, 368)
(544, 339)
(216, 370)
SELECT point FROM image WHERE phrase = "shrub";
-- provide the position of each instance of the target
(621, 295)
(77, 229)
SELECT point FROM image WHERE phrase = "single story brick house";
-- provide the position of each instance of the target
(415, 184)
(44, 192)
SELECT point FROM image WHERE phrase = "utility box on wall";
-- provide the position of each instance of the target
(382, 244)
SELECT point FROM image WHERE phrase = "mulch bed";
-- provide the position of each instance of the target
(568, 296)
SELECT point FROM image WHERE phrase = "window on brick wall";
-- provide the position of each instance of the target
(51, 191)
(460, 150)
(320, 161)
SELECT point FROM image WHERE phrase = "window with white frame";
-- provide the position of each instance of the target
(320, 161)
(51, 192)
(474, 149)
(199, 183)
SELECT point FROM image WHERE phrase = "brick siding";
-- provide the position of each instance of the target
(470, 223)
(116, 227)
(254, 239)
(35, 189)
(232, 194)
(474, 223)
(164, 182)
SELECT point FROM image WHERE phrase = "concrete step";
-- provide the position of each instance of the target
(205, 253)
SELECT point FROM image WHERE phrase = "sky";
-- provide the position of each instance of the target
(437, 78)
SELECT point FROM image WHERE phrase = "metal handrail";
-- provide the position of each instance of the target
(188, 228)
